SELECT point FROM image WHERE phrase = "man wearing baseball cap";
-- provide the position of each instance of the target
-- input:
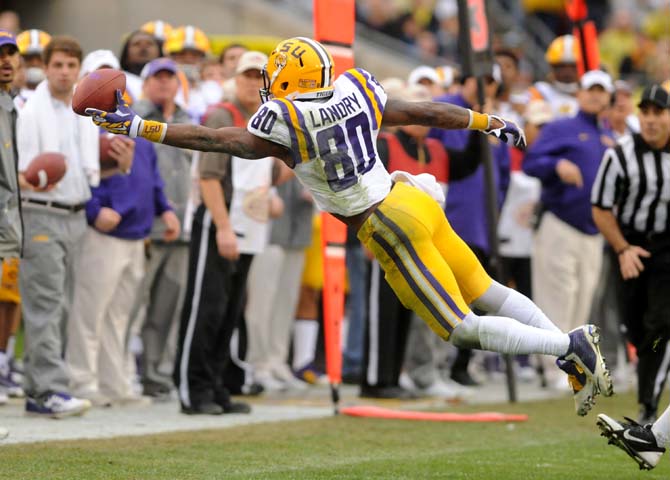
(567, 248)
(165, 281)
(11, 231)
(630, 207)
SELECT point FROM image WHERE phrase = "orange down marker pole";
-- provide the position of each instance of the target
(586, 35)
(334, 27)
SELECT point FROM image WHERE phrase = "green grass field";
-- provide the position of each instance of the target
(553, 444)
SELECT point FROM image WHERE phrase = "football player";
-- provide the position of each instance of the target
(326, 132)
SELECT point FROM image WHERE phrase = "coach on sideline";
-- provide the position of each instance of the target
(631, 198)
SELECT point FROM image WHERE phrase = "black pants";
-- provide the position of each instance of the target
(645, 307)
(213, 307)
(386, 332)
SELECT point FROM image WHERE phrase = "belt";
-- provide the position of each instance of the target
(60, 206)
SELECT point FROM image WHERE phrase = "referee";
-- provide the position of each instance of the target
(631, 207)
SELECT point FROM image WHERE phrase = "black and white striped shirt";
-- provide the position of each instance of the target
(634, 181)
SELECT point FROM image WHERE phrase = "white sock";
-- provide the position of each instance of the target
(505, 335)
(661, 428)
(507, 302)
(305, 334)
(4, 363)
(11, 345)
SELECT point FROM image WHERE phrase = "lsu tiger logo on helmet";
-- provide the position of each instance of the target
(298, 69)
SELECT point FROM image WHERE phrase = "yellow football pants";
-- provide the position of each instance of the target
(431, 270)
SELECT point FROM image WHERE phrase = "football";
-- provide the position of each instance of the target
(106, 161)
(98, 90)
(45, 169)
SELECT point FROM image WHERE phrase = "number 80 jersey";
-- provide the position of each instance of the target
(333, 142)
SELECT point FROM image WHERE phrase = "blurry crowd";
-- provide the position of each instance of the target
(632, 33)
(151, 273)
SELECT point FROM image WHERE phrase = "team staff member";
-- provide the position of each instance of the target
(630, 201)
(220, 256)
(402, 224)
(567, 249)
(11, 228)
(55, 224)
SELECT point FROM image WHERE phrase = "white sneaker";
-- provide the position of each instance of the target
(57, 405)
(4, 398)
(4, 433)
(406, 382)
(440, 388)
(269, 382)
(284, 375)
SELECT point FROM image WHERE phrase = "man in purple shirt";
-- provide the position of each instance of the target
(567, 250)
(110, 269)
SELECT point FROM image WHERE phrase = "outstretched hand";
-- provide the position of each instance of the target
(507, 131)
(124, 121)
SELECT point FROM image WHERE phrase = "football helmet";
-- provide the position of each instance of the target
(186, 38)
(158, 28)
(563, 49)
(298, 69)
(32, 42)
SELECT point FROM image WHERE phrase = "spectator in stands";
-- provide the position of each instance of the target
(164, 284)
(228, 59)
(567, 250)
(138, 50)
(55, 225)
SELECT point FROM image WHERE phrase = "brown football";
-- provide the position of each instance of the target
(45, 169)
(106, 161)
(98, 90)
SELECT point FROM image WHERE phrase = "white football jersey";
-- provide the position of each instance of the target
(333, 142)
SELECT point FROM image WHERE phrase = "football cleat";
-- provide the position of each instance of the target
(584, 350)
(584, 389)
(638, 441)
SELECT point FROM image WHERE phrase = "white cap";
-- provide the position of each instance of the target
(424, 71)
(447, 75)
(251, 60)
(597, 77)
(98, 59)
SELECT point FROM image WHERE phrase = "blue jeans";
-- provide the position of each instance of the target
(356, 307)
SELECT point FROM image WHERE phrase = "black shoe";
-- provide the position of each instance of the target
(398, 393)
(206, 408)
(235, 407)
(353, 378)
(155, 390)
(638, 441)
(464, 378)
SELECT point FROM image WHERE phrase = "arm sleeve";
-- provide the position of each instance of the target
(463, 163)
(544, 153)
(99, 199)
(604, 192)
(214, 165)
